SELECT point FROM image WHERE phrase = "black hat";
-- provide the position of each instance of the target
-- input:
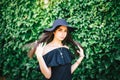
(60, 22)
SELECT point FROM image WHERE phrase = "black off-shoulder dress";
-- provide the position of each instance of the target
(59, 60)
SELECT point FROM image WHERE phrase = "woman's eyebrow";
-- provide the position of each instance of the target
(62, 28)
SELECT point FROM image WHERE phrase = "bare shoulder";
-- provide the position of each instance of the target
(47, 48)
(66, 46)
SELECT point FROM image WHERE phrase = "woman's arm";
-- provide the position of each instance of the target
(76, 64)
(43, 67)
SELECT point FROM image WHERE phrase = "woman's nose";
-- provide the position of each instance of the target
(63, 33)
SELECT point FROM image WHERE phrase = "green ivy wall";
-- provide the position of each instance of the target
(98, 23)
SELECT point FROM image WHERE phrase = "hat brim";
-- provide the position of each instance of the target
(71, 29)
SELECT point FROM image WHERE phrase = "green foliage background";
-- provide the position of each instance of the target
(98, 23)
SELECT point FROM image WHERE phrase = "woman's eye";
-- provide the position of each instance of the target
(59, 30)
(65, 31)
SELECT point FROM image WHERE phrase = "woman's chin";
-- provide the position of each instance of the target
(61, 38)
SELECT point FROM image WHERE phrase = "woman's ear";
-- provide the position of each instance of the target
(53, 32)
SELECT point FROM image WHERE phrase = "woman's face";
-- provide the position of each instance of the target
(60, 33)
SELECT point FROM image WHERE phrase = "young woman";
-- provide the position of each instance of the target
(53, 53)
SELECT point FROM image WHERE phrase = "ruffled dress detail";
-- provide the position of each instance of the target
(59, 60)
(54, 57)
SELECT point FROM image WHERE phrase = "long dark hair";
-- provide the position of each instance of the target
(47, 37)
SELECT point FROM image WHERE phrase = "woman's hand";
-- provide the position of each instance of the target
(78, 61)
(39, 49)
(81, 52)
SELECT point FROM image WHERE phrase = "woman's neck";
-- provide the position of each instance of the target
(55, 42)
